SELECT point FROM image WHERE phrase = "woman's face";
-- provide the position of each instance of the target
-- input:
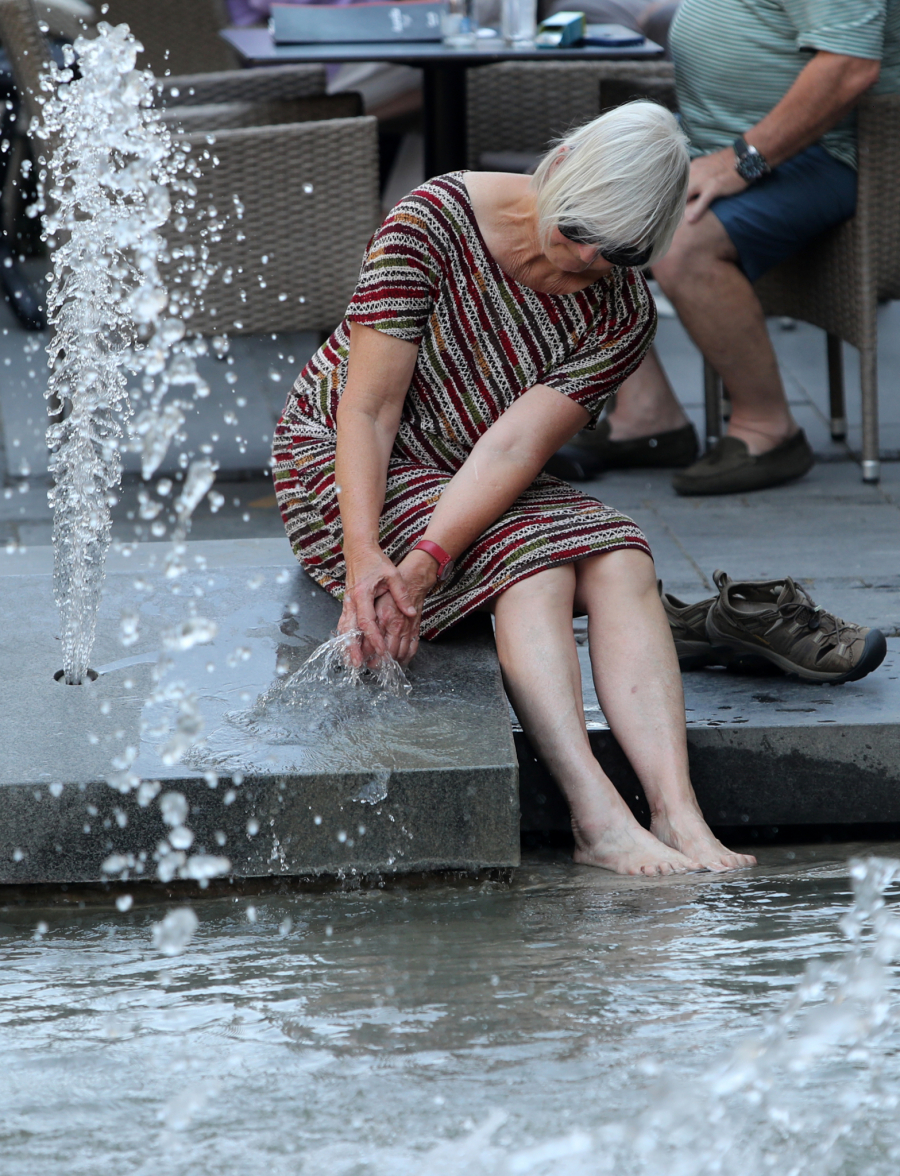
(572, 258)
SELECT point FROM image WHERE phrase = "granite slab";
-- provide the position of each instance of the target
(97, 781)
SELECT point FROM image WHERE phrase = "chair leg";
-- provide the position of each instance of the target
(868, 379)
(837, 410)
(712, 396)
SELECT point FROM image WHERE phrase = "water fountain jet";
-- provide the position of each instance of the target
(106, 195)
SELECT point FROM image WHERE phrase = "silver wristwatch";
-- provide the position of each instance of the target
(749, 163)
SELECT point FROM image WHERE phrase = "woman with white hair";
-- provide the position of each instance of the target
(493, 317)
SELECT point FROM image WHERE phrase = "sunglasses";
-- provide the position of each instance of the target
(627, 255)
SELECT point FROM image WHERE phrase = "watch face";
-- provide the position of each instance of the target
(446, 571)
(751, 167)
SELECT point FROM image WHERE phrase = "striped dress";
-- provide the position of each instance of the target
(484, 340)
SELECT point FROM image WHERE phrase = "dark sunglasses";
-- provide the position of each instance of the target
(627, 255)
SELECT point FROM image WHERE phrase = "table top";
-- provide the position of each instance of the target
(256, 47)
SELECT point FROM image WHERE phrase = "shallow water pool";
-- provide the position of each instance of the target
(567, 1022)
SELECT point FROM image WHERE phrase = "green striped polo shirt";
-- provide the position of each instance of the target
(736, 59)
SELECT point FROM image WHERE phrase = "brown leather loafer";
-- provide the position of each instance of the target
(593, 451)
(730, 468)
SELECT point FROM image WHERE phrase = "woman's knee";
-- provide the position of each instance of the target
(552, 586)
(631, 568)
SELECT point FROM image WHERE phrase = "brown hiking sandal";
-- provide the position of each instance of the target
(777, 620)
(688, 625)
(692, 644)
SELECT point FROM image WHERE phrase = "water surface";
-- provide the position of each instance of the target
(523, 1027)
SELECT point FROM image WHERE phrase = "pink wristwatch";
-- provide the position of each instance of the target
(444, 562)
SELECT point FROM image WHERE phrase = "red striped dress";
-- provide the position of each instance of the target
(484, 340)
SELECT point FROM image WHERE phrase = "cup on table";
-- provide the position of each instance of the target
(459, 24)
(518, 21)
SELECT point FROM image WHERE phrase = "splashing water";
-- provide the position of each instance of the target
(106, 194)
(331, 661)
(173, 933)
(805, 1095)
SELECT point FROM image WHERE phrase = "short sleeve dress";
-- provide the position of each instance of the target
(484, 340)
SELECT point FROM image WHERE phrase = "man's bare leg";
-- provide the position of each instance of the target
(638, 684)
(723, 316)
(536, 646)
(646, 404)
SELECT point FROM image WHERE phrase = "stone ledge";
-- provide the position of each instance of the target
(433, 780)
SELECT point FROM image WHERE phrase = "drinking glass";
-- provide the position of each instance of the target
(518, 21)
(459, 24)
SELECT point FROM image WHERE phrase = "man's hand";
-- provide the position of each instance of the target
(712, 176)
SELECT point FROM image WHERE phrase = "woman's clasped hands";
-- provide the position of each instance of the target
(384, 602)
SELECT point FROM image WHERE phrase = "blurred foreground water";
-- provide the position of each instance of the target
(567, 1022)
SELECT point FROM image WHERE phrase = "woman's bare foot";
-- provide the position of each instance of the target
(689, 834)
(629, 849)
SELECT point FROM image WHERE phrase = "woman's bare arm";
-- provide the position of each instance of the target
(503, 463)
(379, 373)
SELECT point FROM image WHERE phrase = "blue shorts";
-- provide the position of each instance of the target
(781, 213)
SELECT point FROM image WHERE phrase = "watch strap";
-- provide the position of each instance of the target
(444, 561)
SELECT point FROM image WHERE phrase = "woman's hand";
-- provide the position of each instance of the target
(401, 632)
(373, 578)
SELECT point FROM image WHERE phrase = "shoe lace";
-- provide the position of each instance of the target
(804, 610)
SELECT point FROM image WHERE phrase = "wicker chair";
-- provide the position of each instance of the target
(520, 106)
(837, 282)
(298, 261)
(179, 35)
(289, 177)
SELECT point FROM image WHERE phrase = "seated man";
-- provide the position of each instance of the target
(766, 89)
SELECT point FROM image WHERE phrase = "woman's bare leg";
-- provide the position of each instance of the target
(639, 688)
(539, 659)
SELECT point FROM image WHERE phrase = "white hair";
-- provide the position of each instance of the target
(622, 178)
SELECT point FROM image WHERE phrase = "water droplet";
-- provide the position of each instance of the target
(174, 808)
(181, 837)
(173, 934)
(124, 902)
(129, 627)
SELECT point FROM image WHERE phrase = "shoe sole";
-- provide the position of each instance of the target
(874, 651)
(697, 655)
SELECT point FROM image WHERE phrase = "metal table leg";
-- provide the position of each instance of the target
(444, 94)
